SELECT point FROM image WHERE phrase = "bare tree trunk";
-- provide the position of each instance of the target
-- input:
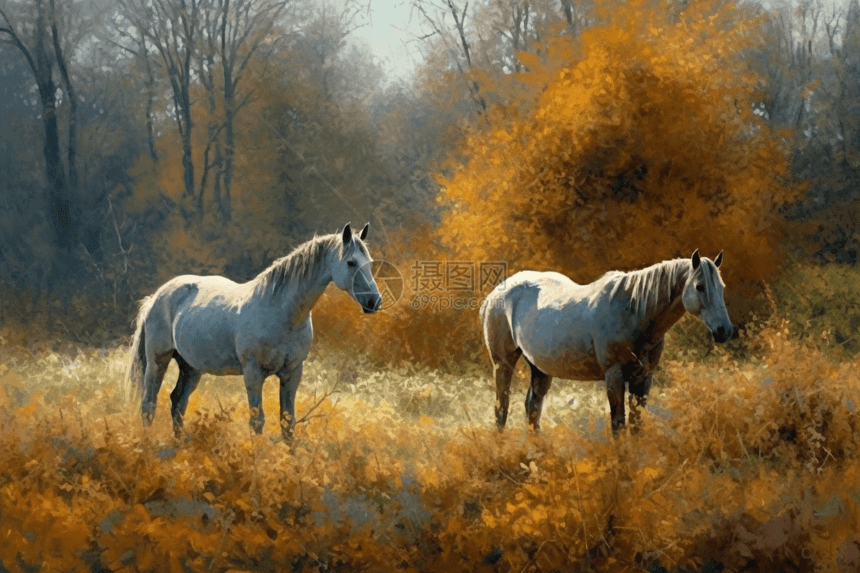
(516, 20)
(259, 18)
(59, 205)
(57, 200)
(150, 97)
(61, 213)
(185, 101)
(227, 65)
(73, 107)
(569, 15)
(206, 65)
(171, 26)
(460, 23)
(149, 84)
(464, 46)
(229, 148)
(179, 29)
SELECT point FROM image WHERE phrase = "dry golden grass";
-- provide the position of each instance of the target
(749, 464)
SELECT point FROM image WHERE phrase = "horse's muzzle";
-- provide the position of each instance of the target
(722, 335)
(372, 305)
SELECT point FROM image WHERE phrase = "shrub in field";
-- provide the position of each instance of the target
(640, 145)
(822, 302)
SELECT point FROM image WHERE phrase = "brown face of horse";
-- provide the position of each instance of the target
(703, 296)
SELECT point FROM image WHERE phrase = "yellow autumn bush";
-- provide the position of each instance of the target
(640, 144)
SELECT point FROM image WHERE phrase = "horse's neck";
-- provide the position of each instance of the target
(300, 296)
(659, 319)
(307, 295)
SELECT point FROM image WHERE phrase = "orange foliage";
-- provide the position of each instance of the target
(640, 146)
(631, 144)
(756, 463)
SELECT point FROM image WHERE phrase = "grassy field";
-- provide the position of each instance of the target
(747, 462)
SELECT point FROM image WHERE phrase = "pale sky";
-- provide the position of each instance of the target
(391, 37)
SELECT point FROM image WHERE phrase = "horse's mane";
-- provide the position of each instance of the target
(303, 261)
(646, 287)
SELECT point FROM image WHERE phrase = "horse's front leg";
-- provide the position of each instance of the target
(254, 387)
(185, 385)
(641, 386)
(615, 393)
(290, 377)
(638, 400)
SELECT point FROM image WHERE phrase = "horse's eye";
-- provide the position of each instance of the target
(350, 263)
(700, 288)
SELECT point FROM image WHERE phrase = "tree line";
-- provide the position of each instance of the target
(147, 138)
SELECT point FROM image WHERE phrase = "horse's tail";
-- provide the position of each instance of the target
(137, 363)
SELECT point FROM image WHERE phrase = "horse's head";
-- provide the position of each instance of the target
(352, 272)
(703, 296)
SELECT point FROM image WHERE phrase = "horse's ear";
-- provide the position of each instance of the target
(697, 260)
(363, 234)
(719, 260)
(347, 234)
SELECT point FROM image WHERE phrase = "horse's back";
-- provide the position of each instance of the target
(549, 318)
(191, 291)
(520, 293)
(163, 305)
(528, 289)
(195, 315)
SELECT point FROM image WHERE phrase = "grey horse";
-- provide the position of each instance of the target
(611, 329)
(262, 327)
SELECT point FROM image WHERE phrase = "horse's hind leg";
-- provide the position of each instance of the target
(156, 366)
(534, 399)
(504, 354)
(185, 385)
(503, 365)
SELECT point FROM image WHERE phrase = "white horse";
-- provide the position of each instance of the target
(611, 329)
(262, 327)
